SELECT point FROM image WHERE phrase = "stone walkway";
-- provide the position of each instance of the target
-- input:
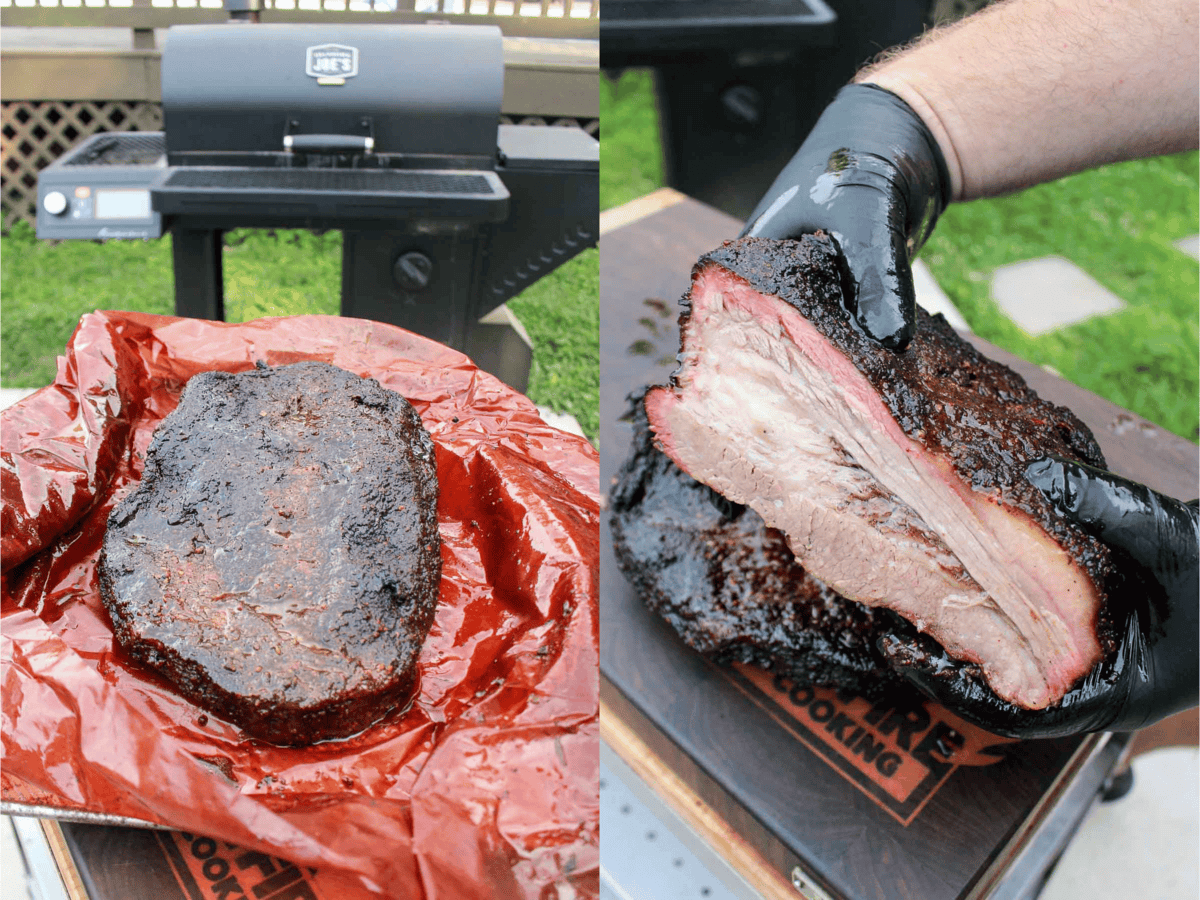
(1021, 290)
(1082, 296)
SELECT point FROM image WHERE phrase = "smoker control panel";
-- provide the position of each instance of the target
(101, 190)
(101, 209)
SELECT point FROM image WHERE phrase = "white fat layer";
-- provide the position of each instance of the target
(803, 439)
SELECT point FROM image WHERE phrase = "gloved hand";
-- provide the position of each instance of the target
(870, 174)
(1155, 671)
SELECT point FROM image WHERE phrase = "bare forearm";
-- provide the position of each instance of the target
(1030, 90)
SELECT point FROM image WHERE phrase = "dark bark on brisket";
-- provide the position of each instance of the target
(279, 562)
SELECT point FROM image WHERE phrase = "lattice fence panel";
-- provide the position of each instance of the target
(591, 126)
(35, 133)
(461, 10)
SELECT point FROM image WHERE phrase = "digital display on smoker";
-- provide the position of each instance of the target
(123, 204)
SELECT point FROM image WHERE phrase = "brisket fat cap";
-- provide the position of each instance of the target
(897, 478)
(280, 563)
(729, 585)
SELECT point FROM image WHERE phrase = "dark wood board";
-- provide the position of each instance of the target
(117, 863)
(751, 748)
(122, 862)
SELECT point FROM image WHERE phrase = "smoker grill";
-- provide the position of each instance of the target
(389, 133)
(739, 83)
(651, 32)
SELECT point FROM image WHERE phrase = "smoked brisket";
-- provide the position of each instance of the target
(279, 563)
(897, 478)
(730, 586)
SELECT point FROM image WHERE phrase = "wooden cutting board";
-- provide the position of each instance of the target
(808, 787)
(101, 862)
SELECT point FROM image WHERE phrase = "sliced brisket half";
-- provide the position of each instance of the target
(730, 586)
(279, 562)
(897, 478)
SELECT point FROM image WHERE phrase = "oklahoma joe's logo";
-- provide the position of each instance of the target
(331, 63)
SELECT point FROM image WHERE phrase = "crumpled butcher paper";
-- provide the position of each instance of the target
(486, 786)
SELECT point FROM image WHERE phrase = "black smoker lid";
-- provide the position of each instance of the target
(655, 29)
(427, 89)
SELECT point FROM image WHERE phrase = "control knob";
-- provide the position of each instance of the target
(55, 203)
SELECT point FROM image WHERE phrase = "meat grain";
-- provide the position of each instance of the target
(729, 585)
(897, 478)
(279, 561)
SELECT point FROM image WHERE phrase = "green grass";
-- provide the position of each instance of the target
(282, 273)
(47, 287)
(1117, 223)
(562, 315)
(630, 150)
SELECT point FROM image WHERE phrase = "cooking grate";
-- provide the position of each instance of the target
(122, 149)
(331, 180)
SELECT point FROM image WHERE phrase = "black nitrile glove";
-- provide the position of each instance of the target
(1155, 672)
(869, 174)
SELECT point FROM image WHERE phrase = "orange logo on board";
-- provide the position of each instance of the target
(897, 752)
(207, 869)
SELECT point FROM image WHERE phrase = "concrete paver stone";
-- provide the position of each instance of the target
(1190, 245)
(1040, 295)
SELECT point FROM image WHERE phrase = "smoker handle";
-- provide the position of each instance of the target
(315, 143)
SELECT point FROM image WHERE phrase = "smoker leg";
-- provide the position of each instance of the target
(199, 283)
(498, 344)
(419, 282)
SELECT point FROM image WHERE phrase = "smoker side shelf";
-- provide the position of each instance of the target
(343, 193)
